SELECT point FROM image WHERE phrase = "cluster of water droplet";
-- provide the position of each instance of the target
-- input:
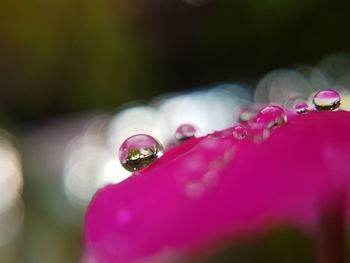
(141, 150)
(258, 126)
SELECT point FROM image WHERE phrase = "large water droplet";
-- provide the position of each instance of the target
(272, 116)
(139, 151)
(184, 132)
(301, 108)
(239, 132)
(327, 100)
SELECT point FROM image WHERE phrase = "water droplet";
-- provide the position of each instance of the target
(301, 108)
(327, 100)
(240, 132)
(139, 151)
(272, 116)
(246, 114)
(184, 132)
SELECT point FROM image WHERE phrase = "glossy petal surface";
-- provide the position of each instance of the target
(215, 188)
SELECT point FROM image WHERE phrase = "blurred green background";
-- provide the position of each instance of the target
(60, 57)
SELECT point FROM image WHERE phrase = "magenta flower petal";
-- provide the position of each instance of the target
(216, 188)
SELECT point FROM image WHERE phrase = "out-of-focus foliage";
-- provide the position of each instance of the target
(60, 56)
(284, 245)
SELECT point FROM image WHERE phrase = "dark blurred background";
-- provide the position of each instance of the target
(60, 58)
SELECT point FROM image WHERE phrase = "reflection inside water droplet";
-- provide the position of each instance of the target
(184, 132)
(139, 151)
(239, 132)
(272, 116)
(327, 100)
(301, 108)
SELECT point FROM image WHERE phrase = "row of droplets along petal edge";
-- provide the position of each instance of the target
(140, 150)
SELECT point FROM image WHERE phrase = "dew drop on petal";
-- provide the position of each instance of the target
(301, 108)
(327, 100)
(184, 132)
(272, 116)
(139, 151)
(240, 132)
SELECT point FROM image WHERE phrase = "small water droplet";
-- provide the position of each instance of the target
(184, 132)
(139, 151)
(327, 100)
(240, 132)
(246, 114)
(272, 116)
(301, 108)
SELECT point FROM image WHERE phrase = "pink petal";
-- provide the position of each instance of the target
(216, 188)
